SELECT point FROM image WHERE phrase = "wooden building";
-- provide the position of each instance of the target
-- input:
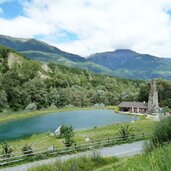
(134, 107)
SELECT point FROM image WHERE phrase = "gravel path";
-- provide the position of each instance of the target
(117, 150)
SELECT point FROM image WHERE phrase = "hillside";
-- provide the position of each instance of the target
(127, 63)
(27, 84)
(41, 51)
(35, 45)
(122, 63)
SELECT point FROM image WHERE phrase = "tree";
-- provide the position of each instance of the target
(53, 97)
(6, 150)
(68, 133)
(31, 107)
(3, 100)
(36, 91)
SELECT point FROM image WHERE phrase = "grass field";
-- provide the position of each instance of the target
(44, 140)
(83, 163)
(157, 160)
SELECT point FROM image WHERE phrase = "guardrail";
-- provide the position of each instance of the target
(42, 153)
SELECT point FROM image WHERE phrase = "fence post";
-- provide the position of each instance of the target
(132, 136)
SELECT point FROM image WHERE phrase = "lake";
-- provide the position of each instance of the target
(83, 119)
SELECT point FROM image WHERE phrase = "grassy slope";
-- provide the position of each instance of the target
(77, 164)
(43, 140)
(51, 57)
(158, 160)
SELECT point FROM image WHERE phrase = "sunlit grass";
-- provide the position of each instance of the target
(157, 160)
(44, 140)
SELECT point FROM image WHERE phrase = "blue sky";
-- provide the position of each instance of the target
(11, 9)
(89, 26)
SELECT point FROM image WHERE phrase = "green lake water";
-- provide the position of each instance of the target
(82, 119)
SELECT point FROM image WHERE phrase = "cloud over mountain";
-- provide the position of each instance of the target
(89, 26)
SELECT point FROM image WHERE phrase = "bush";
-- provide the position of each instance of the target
(27, 150)
(6, 150)
(162, 132)
(100, 106)
(31, 107)
(68, 133)
(115, 108)
(148, 147)
(125, 131)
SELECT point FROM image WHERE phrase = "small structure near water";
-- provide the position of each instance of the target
(133, 107)
(152, 107)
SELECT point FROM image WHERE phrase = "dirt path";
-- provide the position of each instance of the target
(118, 151)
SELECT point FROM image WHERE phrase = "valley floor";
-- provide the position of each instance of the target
(117, 151)
(44, 140)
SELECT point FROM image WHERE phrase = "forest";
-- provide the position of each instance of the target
(30, 85)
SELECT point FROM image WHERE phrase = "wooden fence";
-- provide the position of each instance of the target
(43, 153)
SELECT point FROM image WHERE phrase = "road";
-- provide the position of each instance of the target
(117, 150)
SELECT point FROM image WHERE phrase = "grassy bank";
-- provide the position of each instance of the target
(157, 160)
(44, 140)
(7, 116)
(78, 164)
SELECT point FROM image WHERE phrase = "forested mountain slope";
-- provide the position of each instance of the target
(24, 82)
(123, 63)
(41, 51)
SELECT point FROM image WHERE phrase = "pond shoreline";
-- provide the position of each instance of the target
(6, 117)
(23, 115)
(80, 120)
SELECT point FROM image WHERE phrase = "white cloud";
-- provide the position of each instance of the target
(101, 25)
(24, 27)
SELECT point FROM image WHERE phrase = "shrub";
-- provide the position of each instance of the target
(162, 132)
(96, 156)
(31, 107)
(27, 150)
(68, 133)
(115, 108)
(53, 106)
(148, 147)
(125, 131)
(6, 150)
(100, 106)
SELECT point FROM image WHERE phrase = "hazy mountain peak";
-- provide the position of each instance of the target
(126, 51)
(121, 62)
(13, 38)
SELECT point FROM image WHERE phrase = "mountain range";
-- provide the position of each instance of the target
(122, 62)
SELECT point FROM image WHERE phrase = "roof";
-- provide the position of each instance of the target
(133, 104)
